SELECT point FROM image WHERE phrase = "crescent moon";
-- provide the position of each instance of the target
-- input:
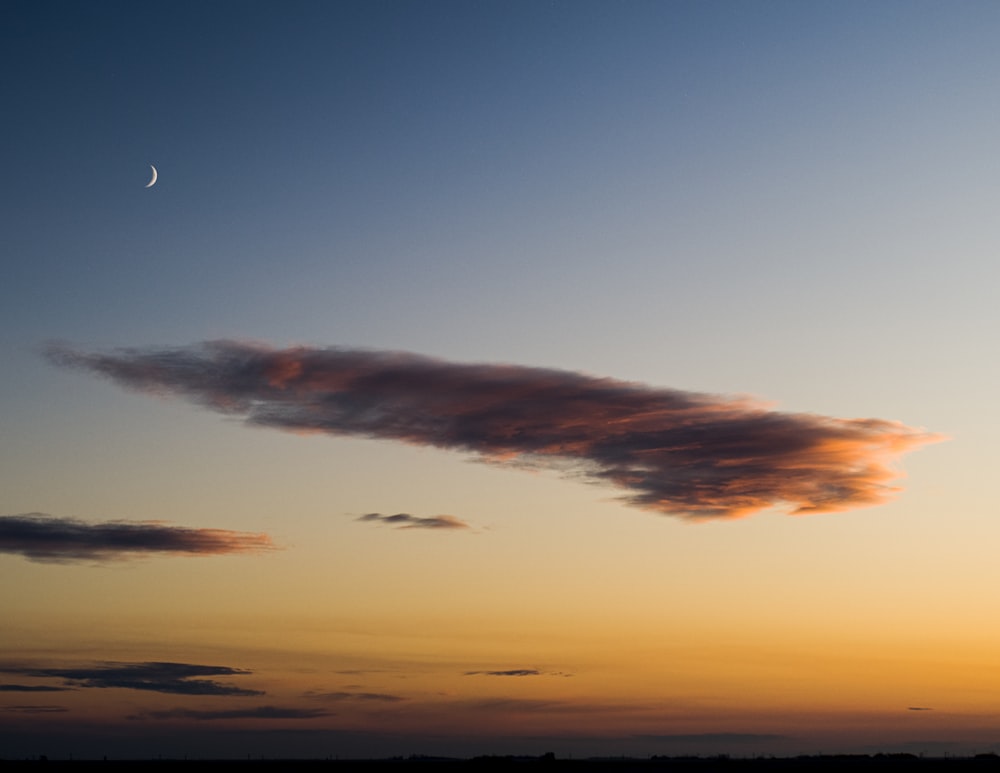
(152, 180)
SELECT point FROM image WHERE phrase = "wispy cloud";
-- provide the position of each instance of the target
(682, 453)
(258, 712)
(713, 737)
(174, 678)
(366, 697)
(407, 521)
(37, 709)
(45, 538)
(509, 672)
(516, 672)
(522, 705)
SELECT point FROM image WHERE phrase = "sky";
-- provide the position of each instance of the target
(480, 377)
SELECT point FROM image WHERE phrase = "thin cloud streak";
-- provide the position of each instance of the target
(37, 709)
(375, 697)
(258, 712)
(407, 521)
(172, 678)
(32, 688)
(510, 672)
(713, 737)
(48, 539)
(691, 455)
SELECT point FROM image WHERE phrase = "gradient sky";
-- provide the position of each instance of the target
(776, 220)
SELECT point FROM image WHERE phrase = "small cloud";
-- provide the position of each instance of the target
(509, 672)
(688, 454)
(37, 709)
(32, 688)
(919, 708)
(172, 678)
(375, 697)
(259, 712)
(407, 521)
(45, 538)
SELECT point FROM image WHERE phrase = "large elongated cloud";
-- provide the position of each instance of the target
(682, 453)
(45, 538)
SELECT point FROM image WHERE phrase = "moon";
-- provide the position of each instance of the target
(152, 180)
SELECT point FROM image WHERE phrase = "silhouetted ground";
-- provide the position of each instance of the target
(548, 764)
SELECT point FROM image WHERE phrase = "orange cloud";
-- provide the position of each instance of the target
(686, 454)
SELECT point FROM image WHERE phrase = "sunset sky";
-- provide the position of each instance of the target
(499, 377)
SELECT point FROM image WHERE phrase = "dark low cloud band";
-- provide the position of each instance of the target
(150, 676)
(258, 712)
(41, 537)
(682, 453)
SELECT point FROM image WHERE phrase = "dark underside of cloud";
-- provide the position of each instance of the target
(172, 678)
(682, 453)
(41, 537)
(258, 712)
(509, 672)
(32, 688)
(407, 521)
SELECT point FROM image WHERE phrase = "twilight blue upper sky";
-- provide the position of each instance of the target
(328, 169)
